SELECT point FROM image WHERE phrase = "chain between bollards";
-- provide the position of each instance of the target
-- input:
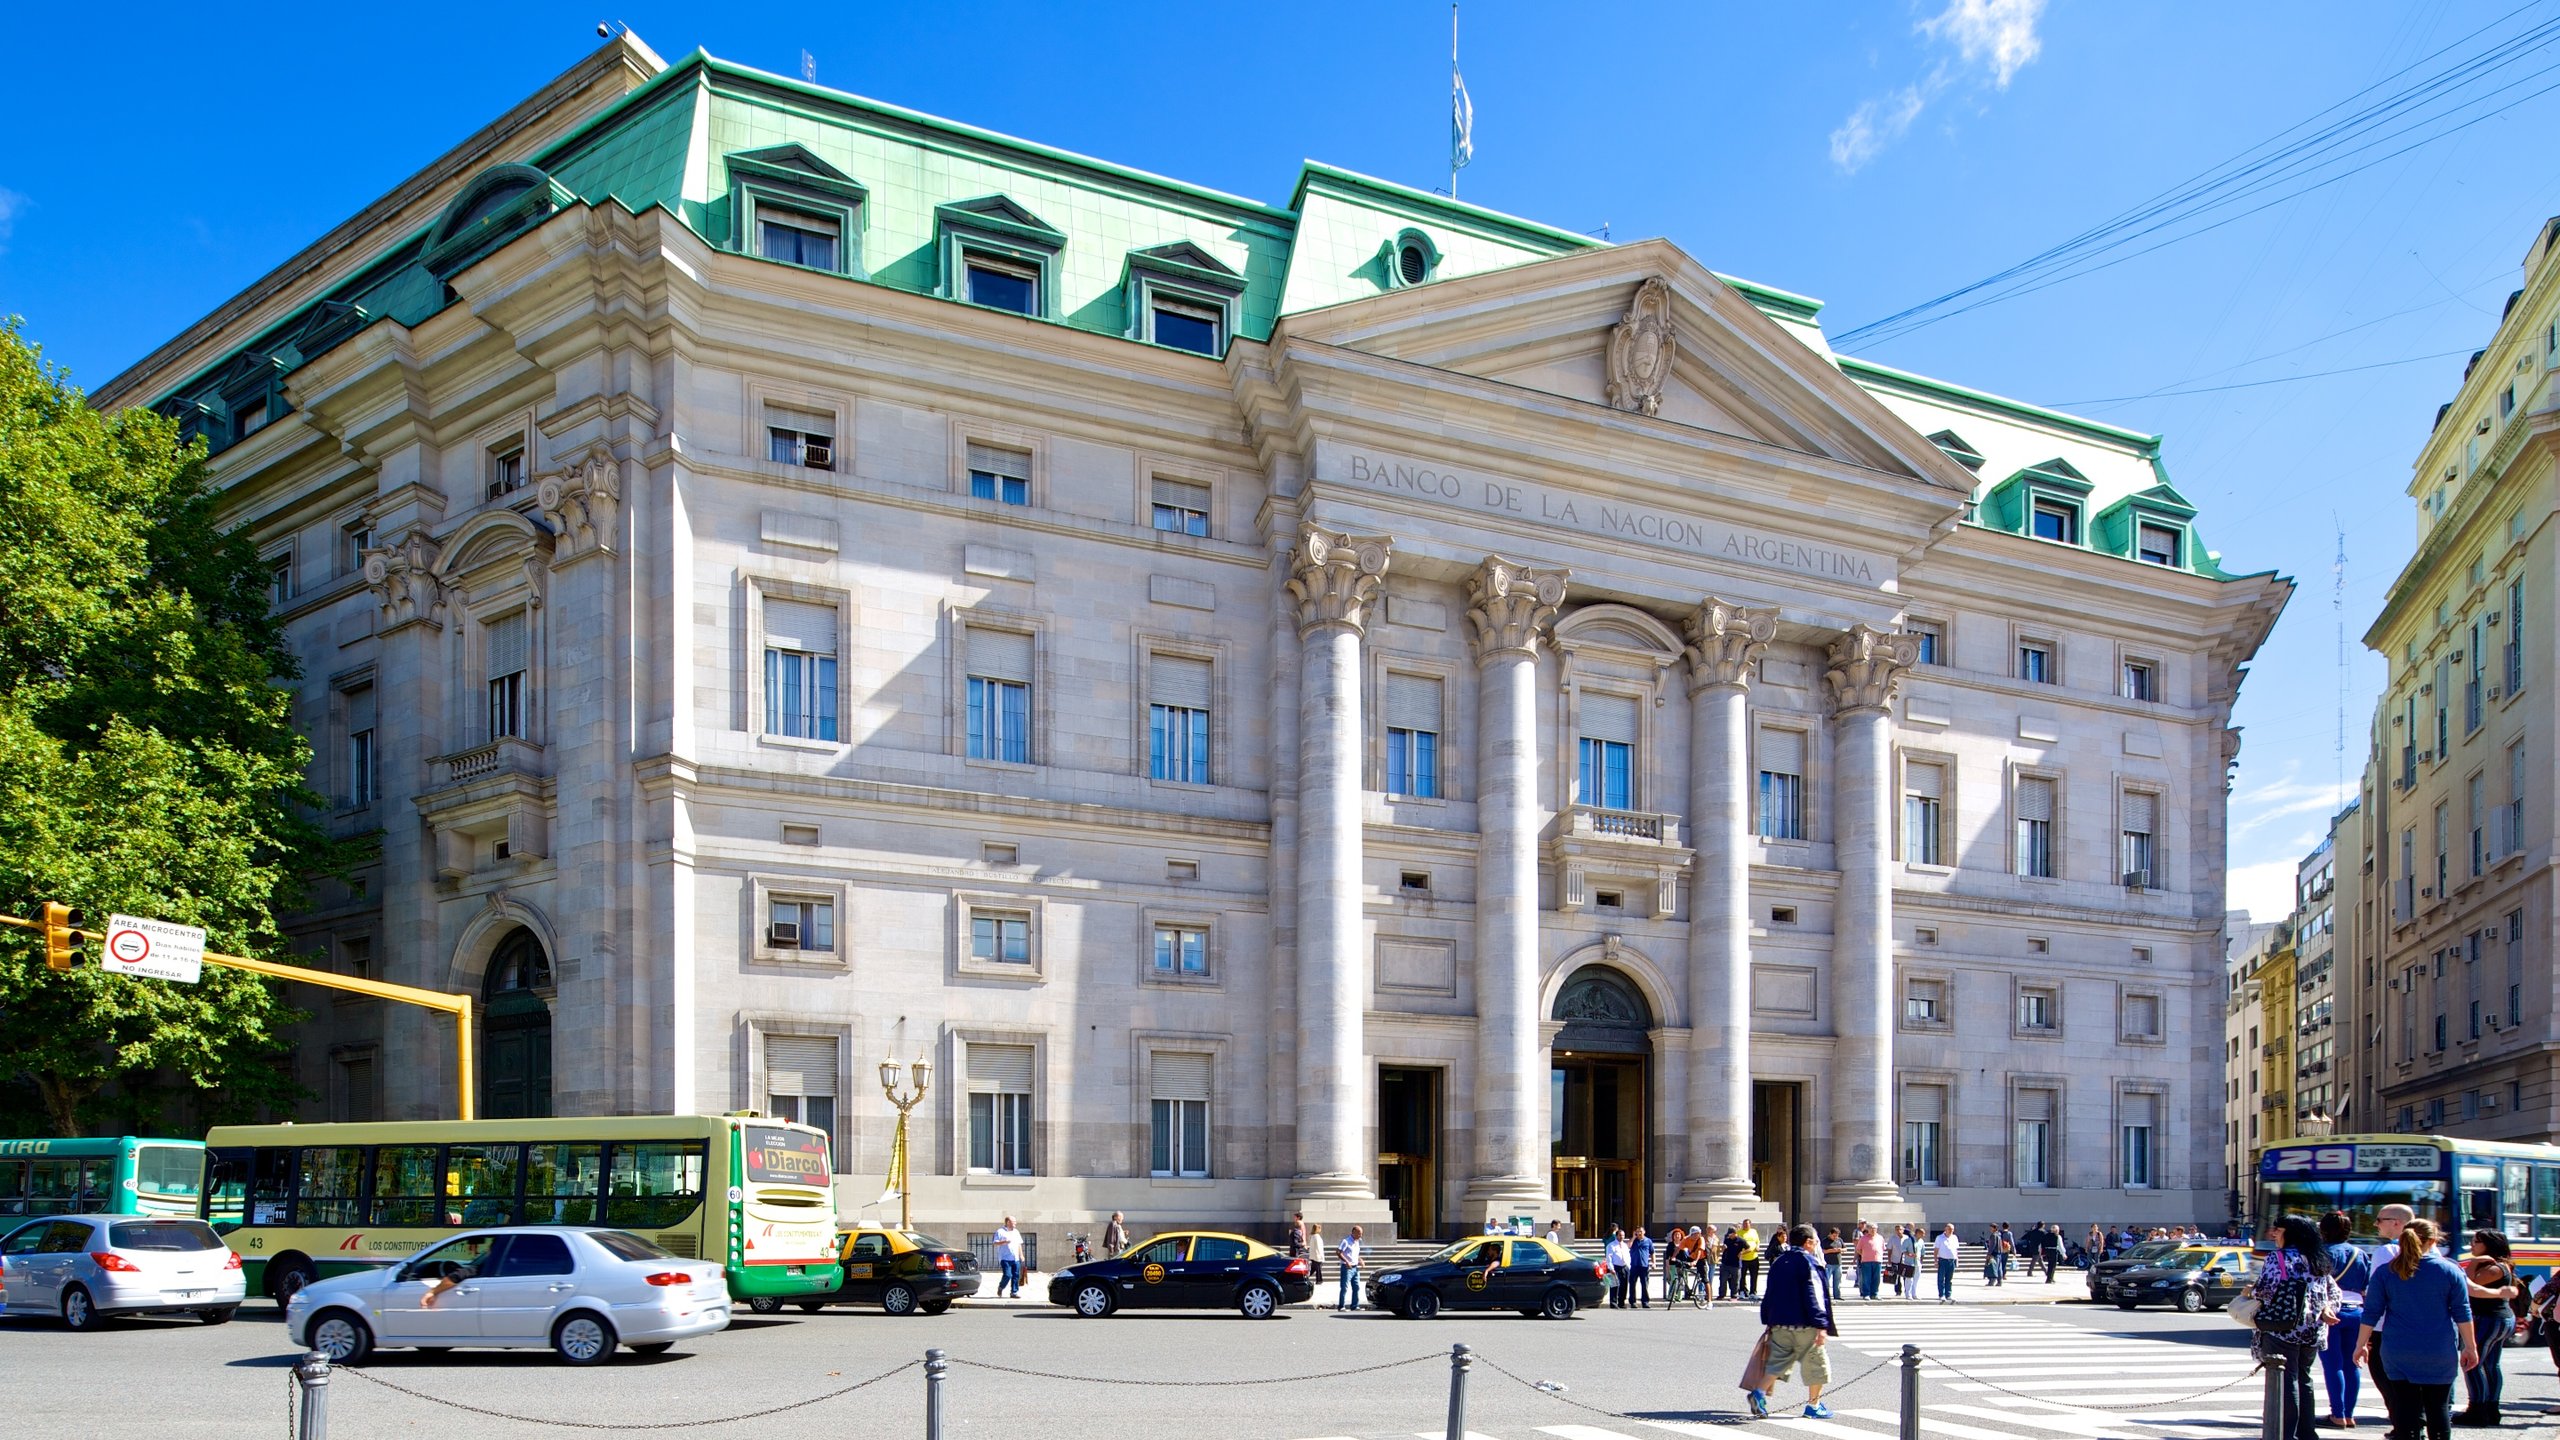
(1910, 1412)
(311, 1381)
(1461, 1359)
(935, 1367)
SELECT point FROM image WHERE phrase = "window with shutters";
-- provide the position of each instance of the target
(2142, 1017)
(1781, 795)
(2137, 848)
(1924, 1121)
(506, 656)
(1179, 507)
(1604, 769)
(800, 1081)
(999, 699)
(2475, 818)
(356, 1091)
(1178, 1106)
(800, 668)
(2137, 1117)
(1413, 716)
(2034, 805)
(1924, 812)
(2031, 1137)
(999, 474)
(999, 1080)
(1925, 1002)
(362, 766)
(998, 936)
(2515, 637)
(1178, 708)
(2039, 1011)
(805, 439)
(1932, 635)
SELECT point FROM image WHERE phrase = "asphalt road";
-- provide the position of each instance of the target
(1138, 1374)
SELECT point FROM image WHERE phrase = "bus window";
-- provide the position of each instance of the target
(53, 1187)
(271, 1170)
(2480, 1209)
(2364, 1199)
(408, 1188)
(654, 1186)
(484, 1182)
(2516, 1199)
(2546, 1202)
(560, 1184)
(331, 1191)
(13, 1187)
(168, 1172)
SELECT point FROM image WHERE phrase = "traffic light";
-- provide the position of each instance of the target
(57, 935)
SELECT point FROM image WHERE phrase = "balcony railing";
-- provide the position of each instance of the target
(1640, 827)
(505, 755)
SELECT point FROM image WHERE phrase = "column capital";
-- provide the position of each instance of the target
(1726, 640)
(402, 576)
(1509, 604)
(1865, 664)
(1335, 578)
(581, 503)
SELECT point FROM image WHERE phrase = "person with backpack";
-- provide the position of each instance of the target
(2417, 1323)
(2494, 1288)
(2352, 1267)
(2296, 1300)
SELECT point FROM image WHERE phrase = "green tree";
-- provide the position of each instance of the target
(148, 762)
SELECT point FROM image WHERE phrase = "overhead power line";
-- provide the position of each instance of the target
(2254, 384)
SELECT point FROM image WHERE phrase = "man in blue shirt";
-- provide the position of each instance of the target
(1796, 1306)
(1640, 1267)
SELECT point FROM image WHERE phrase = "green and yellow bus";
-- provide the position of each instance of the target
(116, 1174)
(2460, 1185)
(304, 1201)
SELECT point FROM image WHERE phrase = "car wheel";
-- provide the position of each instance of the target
(1559, 1304)
(1095, 1301)
(286, 1278)
(934, 1307)
(2191, 1301)
(765, 1304)
(1258, 1302)
(79, 1312)
(899, 1299)
(218, 1315)
(583, 1338)
(338, 1334)
(1422, 1304)
(654, 1347)
(2124, 1304)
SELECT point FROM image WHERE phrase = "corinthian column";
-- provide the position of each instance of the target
(1725, 643)
(1508, 607)
(1865, 663)
(1334, 579)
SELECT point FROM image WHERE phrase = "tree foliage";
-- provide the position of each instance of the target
(148, 763)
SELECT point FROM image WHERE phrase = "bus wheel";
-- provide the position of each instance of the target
(765, 1304)
(286, 1277)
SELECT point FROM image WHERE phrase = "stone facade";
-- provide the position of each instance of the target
(820, 670)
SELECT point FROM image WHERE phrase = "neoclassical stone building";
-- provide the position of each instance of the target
(1367, 703)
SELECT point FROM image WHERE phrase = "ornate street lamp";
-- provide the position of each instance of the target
(889, 1078)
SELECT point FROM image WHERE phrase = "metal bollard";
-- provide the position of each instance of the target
(311, 1382)
(2271, 1410)
(1461, 1359)
(935, 1367)
(1910, 1417)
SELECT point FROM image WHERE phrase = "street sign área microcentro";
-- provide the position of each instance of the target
(152, 949)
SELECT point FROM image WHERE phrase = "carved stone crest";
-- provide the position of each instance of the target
(1335, 577)
(582, 503)
(1640, 350)
(402, 576)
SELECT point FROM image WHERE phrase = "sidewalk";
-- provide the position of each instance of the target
(2022, 1289)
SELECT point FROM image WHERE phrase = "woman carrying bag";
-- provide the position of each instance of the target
(2296, 1301)
(2417, 1316)
(2494, 1287)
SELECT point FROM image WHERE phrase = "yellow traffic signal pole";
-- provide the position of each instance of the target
(59, 932)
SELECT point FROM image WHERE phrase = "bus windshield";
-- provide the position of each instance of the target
(2361, 1199)
(169, 1172)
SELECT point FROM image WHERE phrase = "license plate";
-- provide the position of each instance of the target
(795, 1269)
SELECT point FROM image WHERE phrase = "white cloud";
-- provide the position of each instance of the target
(11, 203)
(2265, 891)
(1993, 40)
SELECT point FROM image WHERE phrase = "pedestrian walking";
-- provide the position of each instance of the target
(1297, 1237)
(1750, 1260)
(1991, 1256)
(2008, 1251)
(1348, 1255)
(2052, 1251)
(2493, 1287)
(1947, 1250)
(2096, 1243)
(1008, 1260)
(1729, 1266)
(1906, 1262)
(1621, 1260)
(1640, 1268)
(2352, 1268)
(2417, 1319)
(2296, 1298)
(1115, 1236)
(1831, 1258)
(1315, 1253)
(1870, 1253)
(1796, 1312)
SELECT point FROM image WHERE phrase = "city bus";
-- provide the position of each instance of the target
(117, 1174)
(299, 1202)
(2460, 1185)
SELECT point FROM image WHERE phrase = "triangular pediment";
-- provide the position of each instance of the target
(1184, 254)
(1546, 326)
(796, 159)
(1002, 212)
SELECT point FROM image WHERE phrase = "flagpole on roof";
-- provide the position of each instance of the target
(1462, 111)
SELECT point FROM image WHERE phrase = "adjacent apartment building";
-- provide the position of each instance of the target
(1362, 704)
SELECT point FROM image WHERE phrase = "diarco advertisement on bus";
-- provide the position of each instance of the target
(776, 1235)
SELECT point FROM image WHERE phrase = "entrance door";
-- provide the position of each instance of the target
(1775, 1112)
(1408, 1143)
(516, 1030)
(1599, 1145)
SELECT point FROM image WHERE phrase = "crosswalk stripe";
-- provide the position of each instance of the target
(2028, 1371)
(1966, 1432)
(1832, 1428)
(1581, 1432)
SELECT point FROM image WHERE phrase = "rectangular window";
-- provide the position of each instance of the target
(797, 237)
(1000, 1109)
(1179, 507)
(280, 586)
(2036, 1009)
(2515, 971)
(1186, 327)
(508, 642)
(2156, 544)
(2141, 680)
(358, 539)
(2476, 663)
(1925, 1003)
(1924, 1115)
(800, 669)
(1933, 640)
(2444, 710)
(359, 1094)
(2057, 520)
(1182, 950)
(999, 695)
(799, 923)
(999, 474)
(2035, 662)
(802, 438)
(361, 764)
(1413, 706)
(506, 471)
(998, 937)
(1604, 771)
(1782, 784)
(1178, 691)
(249, 415)
(355, 956)
(2138, 848)
(2515, 636)
(1178, 1089)
(1924, 789)
(2035, 826)
(1003, 285)
(2032, 1152)
(800, 1081)
(2142, 1017)
(2133, 1146)
(2444, 846)
(2476, 816)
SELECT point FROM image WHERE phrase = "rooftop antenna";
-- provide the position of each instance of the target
(808, 67)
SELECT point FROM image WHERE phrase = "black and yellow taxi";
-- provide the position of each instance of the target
(1493, 1272)
(2192, 1277)
(904, 1272)
(1186, 1270)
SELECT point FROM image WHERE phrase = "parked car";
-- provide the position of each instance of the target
(85, 1268)
(579, 1289)
(1533, 1277)
(1194, 1269)
(902, 1271)
(2102, 1275)
(2192, 1277)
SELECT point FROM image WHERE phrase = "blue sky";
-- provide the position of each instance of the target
(1871, 154)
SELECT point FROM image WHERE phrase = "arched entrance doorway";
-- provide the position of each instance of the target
(1599, 1098)
(515, 1030)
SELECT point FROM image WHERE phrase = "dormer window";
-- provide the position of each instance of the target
(1410, 259)
(1184, 327)
(1958, 450)
(1003, 285)
(790, 206)
(797, 238)
(2157, 544)
(248, 417)
(1182, 297)
(2057, 520)
(997, 254)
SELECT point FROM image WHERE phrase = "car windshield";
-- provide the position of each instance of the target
(1452, 1252)
(163, 1235)
(922, 1241)
(2154, 1249)
(623, 1245)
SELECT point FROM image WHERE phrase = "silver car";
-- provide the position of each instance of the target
(582, 1290)
(84, 1268)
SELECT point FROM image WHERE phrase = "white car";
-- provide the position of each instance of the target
(581, 1290)
(84, 1268)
